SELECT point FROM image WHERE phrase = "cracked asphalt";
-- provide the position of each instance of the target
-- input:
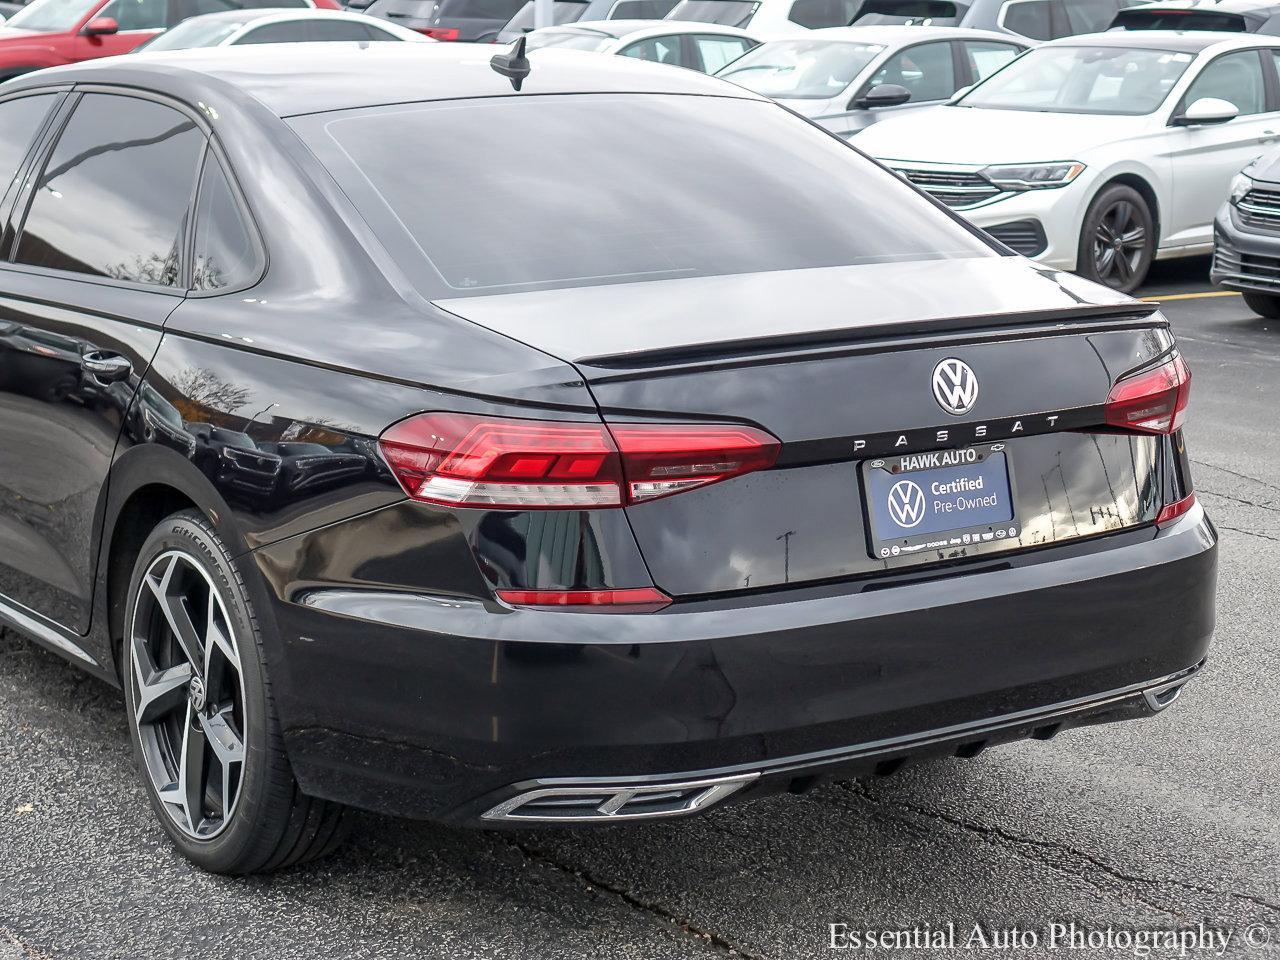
(1166, 822)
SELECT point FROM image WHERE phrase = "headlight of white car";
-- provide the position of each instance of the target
(1034, 176)
(1241, 184)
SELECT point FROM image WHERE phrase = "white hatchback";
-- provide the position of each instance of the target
(1098, 153)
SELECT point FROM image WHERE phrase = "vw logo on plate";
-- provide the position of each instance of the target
(955, 386)
(906, 503)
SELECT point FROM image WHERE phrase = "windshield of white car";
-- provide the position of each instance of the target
(740, 199)
(801, 69)
(49, 16)
(567, 40)
(1106, 80)
(728, 13)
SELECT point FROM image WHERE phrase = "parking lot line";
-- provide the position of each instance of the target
(1193, 296)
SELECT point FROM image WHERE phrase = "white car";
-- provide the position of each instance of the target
(847, 78)
(699, 46)
(1098, 153)
(230, 27)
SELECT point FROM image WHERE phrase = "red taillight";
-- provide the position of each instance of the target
(635, 598)
(496, 462)
(1154, 401)
(660, 459)
(439, 33)
(1173, 511)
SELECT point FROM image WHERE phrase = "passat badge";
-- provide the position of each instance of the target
(955, 386)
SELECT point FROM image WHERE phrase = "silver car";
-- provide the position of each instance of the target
(847, 78)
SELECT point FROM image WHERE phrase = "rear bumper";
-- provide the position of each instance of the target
(447, 709)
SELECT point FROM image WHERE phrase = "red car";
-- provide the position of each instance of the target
(48, 33)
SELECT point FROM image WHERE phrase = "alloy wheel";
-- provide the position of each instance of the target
(188, 695)
(1119, 244)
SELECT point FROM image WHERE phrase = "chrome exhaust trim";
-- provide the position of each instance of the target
(1160, 697)
(611, 803)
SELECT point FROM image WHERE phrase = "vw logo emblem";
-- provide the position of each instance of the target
(906, 503)
(197, 694)
(955, 386)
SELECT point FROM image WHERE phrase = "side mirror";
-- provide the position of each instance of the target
(101, 27)
(1207, 110)
(885, 95)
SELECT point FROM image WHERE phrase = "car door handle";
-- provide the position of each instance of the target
(108, 367)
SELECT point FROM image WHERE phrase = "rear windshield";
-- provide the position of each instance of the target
(562, 11)
(198, 32)
(657, 187)
(567, 40)
(1181, 20)
(729, 13)
(937, 13)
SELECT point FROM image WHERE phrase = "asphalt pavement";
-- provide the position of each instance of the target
(1167, 823)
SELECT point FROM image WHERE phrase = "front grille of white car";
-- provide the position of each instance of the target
(955, 188)
(1260, 208)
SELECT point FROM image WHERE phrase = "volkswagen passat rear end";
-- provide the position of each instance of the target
(717, 462)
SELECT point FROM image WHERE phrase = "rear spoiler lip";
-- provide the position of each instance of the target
(1094, 316)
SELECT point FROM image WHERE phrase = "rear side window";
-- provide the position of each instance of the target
(20, 121)
(986, 58)
(291, 31)
(490, 219)
(226, 253)
(502, 10)
(641, 9)
(113, 198)
(815, 14)
(715, 52)
(657, 49)
(1030, 18)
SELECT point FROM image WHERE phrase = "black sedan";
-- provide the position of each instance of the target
(513, 491)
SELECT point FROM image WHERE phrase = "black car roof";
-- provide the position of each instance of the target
(298, 78)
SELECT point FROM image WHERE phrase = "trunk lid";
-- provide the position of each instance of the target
(839, 364)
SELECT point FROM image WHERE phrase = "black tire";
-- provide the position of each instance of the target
(255, 819)
(1263, 304)
(1117, 239)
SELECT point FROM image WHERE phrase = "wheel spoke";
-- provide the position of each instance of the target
(1123, 267)
(1136, 237)
(173, 605)
(1106, 262)
(191, 771)
(160, 692)
(227, 749)
(217, 640)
